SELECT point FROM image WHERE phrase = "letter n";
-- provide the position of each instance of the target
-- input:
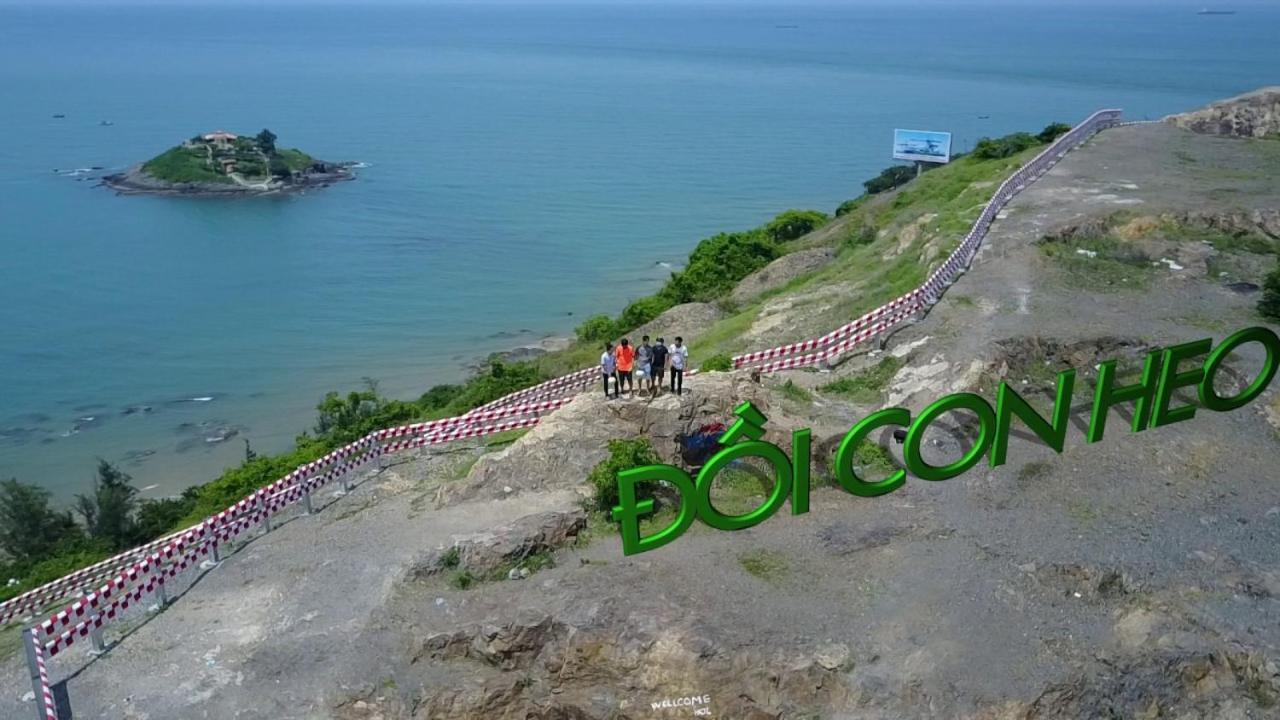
(1010, 403)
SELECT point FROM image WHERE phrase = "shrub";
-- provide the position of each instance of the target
(1007, 146)
(623, 455)
(1269, 304)
(891, 177)
(793, 224)
(719, 362)
(108, 512)
(597, 328)
(29, 529)
(715, 266)
(861, 235)
(643, 310)
(1053, 132)
(849, 206)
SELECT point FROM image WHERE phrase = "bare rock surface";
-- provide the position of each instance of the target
(780, 272)
(1253, 115)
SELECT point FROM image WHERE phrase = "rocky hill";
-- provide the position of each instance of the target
(1252, 115)
(1132, 578)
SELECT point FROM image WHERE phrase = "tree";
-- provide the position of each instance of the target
(792, 224)
(597, 328)
(29, 530)
(890, 178)
(266, 142)
(1269, 304)
(279, 168)
(1053, 132)
(109, 513)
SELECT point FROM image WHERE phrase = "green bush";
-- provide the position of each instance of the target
(623, 455)
(861, 235)
(642, 311)
(1269, 303)
(715, 267)
(793, 224)
(29, 529)
(439, 397)
(1007, 146)
(1053, 132)
(596, 328)
(109, 512)
(721, 362)
(891, 177)
(849, 206)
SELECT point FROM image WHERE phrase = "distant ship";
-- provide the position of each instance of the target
(1207, 11)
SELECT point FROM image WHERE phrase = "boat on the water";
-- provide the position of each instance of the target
(1207, 11)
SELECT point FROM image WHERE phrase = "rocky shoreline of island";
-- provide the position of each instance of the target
(136, 181)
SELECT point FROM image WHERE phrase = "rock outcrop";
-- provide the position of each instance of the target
(560, 451)
(780, 272)
(1254, 115)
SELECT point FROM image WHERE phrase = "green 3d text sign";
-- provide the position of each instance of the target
(1152, 397)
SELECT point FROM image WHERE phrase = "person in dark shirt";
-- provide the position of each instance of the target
(658, 359)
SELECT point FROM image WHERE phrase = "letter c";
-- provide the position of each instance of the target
(845, 475)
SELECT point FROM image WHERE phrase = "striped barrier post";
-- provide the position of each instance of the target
(46, 708)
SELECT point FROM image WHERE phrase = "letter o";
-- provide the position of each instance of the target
(752, 448)
(1269, 341)
(915, 435)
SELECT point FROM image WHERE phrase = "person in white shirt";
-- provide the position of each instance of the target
(608, 369)
(679, 354)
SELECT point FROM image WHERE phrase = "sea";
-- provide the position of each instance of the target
(524, 165)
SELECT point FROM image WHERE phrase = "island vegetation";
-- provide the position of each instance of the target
(222, 162)
(39, 544)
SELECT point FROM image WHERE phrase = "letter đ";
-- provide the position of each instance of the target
(1106, 396)
(1010, 403)
(845, 474)
(628, 511)
(1171, 379)
(1269, 341)
(915, 436)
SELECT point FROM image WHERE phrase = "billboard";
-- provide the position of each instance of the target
(922, 145)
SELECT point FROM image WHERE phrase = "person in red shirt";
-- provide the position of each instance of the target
(625, 358)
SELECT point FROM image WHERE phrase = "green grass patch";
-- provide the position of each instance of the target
(868, 386)
(737, 490)
(1033, 471)
(764, 564)
(1106, 263)
(795, 393)
(184, 165)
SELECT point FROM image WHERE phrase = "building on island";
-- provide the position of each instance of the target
(221, 138)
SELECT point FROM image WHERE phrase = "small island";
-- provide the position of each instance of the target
(222, 163)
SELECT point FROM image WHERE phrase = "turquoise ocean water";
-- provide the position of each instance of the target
(528, 165)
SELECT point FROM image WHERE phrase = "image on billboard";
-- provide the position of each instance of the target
(922, 145)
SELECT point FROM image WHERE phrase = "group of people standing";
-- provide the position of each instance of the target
(648, 363)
